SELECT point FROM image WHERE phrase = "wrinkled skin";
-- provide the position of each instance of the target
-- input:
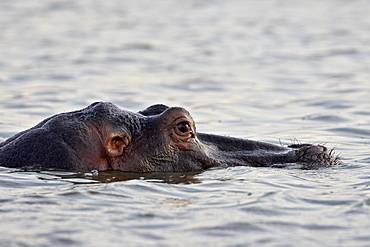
(159, 138)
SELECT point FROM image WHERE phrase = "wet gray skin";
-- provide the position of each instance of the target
(159, 138)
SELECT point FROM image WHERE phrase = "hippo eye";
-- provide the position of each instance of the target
(184, 127)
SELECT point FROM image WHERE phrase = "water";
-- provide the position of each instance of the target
(272, 71)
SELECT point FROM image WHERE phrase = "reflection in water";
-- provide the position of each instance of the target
(160, 177)
(116, 176)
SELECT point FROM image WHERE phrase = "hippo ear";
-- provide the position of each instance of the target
(154, 110)
(116, 143)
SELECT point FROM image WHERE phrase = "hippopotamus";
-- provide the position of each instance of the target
(158, 139)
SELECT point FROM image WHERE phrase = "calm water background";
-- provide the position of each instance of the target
(273, 71)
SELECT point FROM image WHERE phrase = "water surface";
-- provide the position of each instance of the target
(275, 71)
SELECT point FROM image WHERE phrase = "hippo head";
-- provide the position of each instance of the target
(164, 139)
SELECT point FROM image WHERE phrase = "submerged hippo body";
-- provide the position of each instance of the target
(159, 138)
